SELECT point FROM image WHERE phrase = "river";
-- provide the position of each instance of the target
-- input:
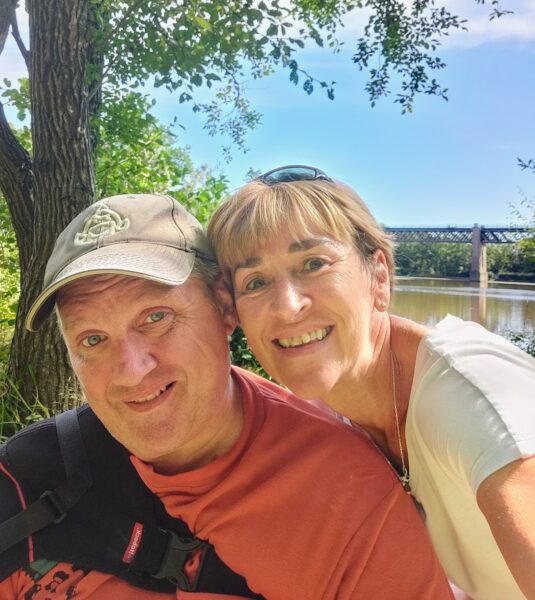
(505, 308)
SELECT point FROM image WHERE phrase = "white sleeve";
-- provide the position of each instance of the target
(475, 409)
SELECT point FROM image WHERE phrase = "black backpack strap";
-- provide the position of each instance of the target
(53, 505)
(93, 483)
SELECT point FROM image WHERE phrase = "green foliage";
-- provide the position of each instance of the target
(400, 43)
(406, 38)
(16, 412)
(212, 44)
(525, 341)
(9, 282)
(135, 153)
(138, 154)
(504, 261)
(527, 164)
(524, 212)
(19, 97)
(222, 45)
(433, 260)
(511, 261)
(497, 10)
(241, 354)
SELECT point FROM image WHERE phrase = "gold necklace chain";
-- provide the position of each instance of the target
(404, 477)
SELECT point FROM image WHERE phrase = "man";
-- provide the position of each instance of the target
(301, 505)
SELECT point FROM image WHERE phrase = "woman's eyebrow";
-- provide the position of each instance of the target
(253, 261)
(307, 244)
(297, 246)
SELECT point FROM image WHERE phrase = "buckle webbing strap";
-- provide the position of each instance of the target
(179, 550)
(53, 505)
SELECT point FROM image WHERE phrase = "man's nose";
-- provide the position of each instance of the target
(132, 360)
(290, 299)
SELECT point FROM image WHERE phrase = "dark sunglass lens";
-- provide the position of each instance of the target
(291, 174)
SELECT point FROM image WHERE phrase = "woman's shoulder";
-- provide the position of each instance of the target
(472, 400)
(456, 351)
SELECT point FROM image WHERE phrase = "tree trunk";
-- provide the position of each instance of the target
(61, 36)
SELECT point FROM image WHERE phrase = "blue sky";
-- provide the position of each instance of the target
(446, 163)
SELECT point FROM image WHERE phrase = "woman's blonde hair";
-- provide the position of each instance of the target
(254, 215)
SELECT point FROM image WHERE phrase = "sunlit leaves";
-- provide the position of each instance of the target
(139, 154)
(401, 39)
(9, 280)
(220, 45)
(17, 96)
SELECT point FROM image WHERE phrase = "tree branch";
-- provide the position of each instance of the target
(16, 34)
(16, 182)
(7, 7)
(8, 18)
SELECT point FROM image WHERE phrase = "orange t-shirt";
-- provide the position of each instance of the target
(303, 505)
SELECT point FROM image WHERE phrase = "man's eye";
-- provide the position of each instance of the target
(313, 264)
(255, 284)
(91, 340)
(155, 316)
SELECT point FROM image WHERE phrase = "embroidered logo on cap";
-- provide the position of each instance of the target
(102, 223)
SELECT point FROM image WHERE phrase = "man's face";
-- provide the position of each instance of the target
(153, 363)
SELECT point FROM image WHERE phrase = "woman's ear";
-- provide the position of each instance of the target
(381, 280)
(225, 302)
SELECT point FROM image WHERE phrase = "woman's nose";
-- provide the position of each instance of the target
(290, 299)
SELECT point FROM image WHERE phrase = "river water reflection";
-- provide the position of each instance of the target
(505, 308)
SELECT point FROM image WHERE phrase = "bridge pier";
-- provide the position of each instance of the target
(478, 269)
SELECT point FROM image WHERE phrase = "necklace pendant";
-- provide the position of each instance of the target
(404, 479)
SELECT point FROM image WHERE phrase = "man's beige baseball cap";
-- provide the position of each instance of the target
(142, 235)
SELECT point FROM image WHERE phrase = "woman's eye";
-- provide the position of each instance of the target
(255, 284)
(91, 340)
(155, 316)
(313, 264)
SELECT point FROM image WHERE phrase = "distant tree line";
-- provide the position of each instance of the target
(505, 262)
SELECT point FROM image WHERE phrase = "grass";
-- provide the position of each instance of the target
(15, 411)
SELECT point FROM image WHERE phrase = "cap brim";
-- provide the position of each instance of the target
(163, 264)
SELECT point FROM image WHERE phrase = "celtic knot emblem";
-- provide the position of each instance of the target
(102, 223)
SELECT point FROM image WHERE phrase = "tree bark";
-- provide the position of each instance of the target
(61, 36)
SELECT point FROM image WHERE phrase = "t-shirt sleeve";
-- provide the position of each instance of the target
(477, 414)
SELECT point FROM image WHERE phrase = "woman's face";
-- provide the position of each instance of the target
(307, 307)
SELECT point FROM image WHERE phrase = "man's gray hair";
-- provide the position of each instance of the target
(208, 271)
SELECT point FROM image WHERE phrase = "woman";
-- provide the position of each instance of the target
(453, 408)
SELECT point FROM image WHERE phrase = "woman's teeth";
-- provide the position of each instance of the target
(302, 340)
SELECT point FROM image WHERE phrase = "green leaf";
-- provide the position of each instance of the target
(203, 23)
(272, 30)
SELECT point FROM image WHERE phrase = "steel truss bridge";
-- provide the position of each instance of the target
(478, 235)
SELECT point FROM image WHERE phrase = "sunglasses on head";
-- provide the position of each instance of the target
(291, 173)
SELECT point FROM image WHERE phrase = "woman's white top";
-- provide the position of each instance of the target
(471, 412)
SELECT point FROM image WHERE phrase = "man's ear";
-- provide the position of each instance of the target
(225, 302)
